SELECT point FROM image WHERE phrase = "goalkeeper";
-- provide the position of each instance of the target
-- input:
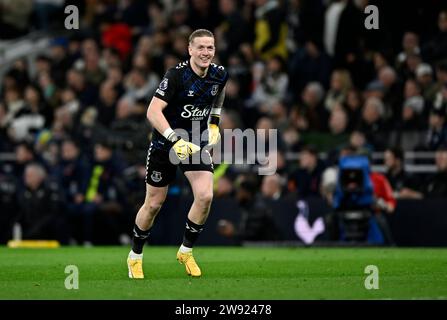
(192, 91)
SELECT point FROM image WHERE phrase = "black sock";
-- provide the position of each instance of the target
(139, 239)
(192, 232)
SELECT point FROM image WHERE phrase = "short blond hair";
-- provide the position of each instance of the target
(200, 33)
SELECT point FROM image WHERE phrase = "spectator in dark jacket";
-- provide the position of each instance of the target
(72, 173)
(372, 123)
(311, 115)
(233, 30)
(256, 222)
(107, 102)
(103, 209)
(8, 204)
(306, 180)
(412, 111)
(309, 64)
(342, 34)
(271, 187)
(130, 130)
(404, 185)
(24, 155)
(41, 214)
(436, 186)
(437, 130)
(436, 49)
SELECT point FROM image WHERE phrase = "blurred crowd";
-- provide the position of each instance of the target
(76, 118)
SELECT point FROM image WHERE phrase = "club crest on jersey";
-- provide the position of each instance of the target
(156, 176)
(214, 89)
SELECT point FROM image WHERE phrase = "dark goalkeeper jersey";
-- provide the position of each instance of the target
(190, 99)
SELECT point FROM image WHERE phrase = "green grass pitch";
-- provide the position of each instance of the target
(228, 273)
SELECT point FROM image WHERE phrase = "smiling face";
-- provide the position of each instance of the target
(201, 50)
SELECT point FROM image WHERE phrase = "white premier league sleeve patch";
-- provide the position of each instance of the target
(162, 87)
(214, 89)
(163, 84)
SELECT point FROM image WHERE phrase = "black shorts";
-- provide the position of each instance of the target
(160, 171)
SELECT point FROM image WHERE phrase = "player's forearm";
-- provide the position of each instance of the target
(217, 108)
(158, 120)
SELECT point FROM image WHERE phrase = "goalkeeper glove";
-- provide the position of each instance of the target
(184, 149)
(213, 134)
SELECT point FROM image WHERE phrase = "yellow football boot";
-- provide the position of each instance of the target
(135, 267)
(190, 264)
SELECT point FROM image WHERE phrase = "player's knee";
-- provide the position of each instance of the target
(204, 198)
(152, 207)
(155, 206)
